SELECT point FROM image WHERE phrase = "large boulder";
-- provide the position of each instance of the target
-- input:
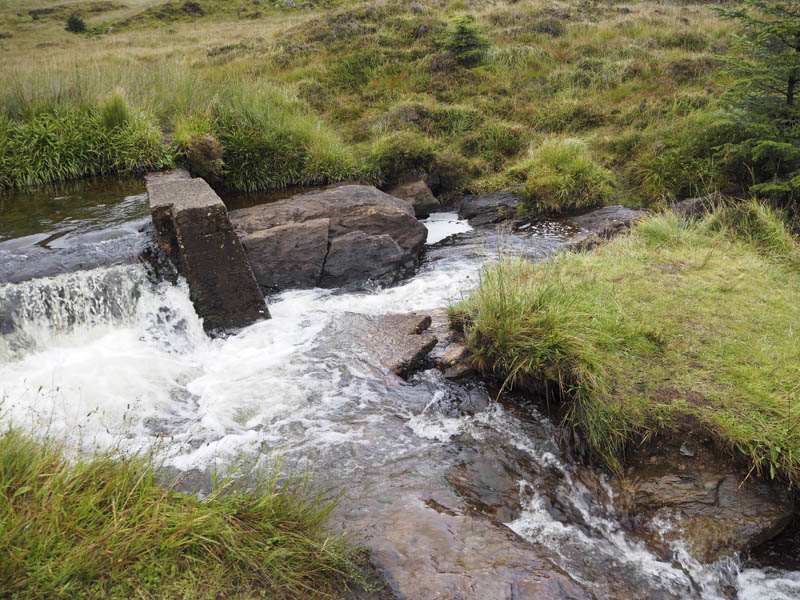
(331, 238)
(419, 195)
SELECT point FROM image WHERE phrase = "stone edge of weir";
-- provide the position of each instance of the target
(193, 230)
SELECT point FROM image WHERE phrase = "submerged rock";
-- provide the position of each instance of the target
(419, 195)
(342, 235)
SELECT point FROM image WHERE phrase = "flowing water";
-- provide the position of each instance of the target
(110, 357)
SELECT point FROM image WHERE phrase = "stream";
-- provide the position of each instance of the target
(95, 349)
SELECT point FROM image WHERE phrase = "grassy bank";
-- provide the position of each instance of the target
(259, 97)
(105, 527)
(673, 323)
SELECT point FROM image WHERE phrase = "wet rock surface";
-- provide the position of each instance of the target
(450, 356)
(193, 230)
(601, 224)
(405, 343)
(590, 228)
(370, 235)
(715, 509)
(488, 209)
(428, 551)
(398, 341)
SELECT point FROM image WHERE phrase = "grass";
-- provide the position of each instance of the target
(105, 527)
(564, 177)
(359, 90)
(677, 322)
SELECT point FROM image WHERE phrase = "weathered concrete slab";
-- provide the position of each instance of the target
(194, 231)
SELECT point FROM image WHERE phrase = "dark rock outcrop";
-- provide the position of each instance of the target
(357, 256)
(289, 256)
(693, 208)
(488, 209)
(335, 237)
(193, 230)
(419, 195)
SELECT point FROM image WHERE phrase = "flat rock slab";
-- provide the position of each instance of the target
(427, 551)
(193, 230)
(398, 341)
(488, 209)
(339, 236)
(601, 224)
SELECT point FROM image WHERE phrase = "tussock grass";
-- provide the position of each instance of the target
(270, 138)
(676, 320)
(564, 177)
(78, 142)
(104, 527)
(339, 84)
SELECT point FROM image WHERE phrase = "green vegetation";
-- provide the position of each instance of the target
(69, 143)
(563, 176)
(104, 527)
(763, 100)
(465, 42)
(258, 96)
(75, 24)
(677, 321)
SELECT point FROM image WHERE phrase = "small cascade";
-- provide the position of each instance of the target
(35, 313)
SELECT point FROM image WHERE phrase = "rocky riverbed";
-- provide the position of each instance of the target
(458, 493)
